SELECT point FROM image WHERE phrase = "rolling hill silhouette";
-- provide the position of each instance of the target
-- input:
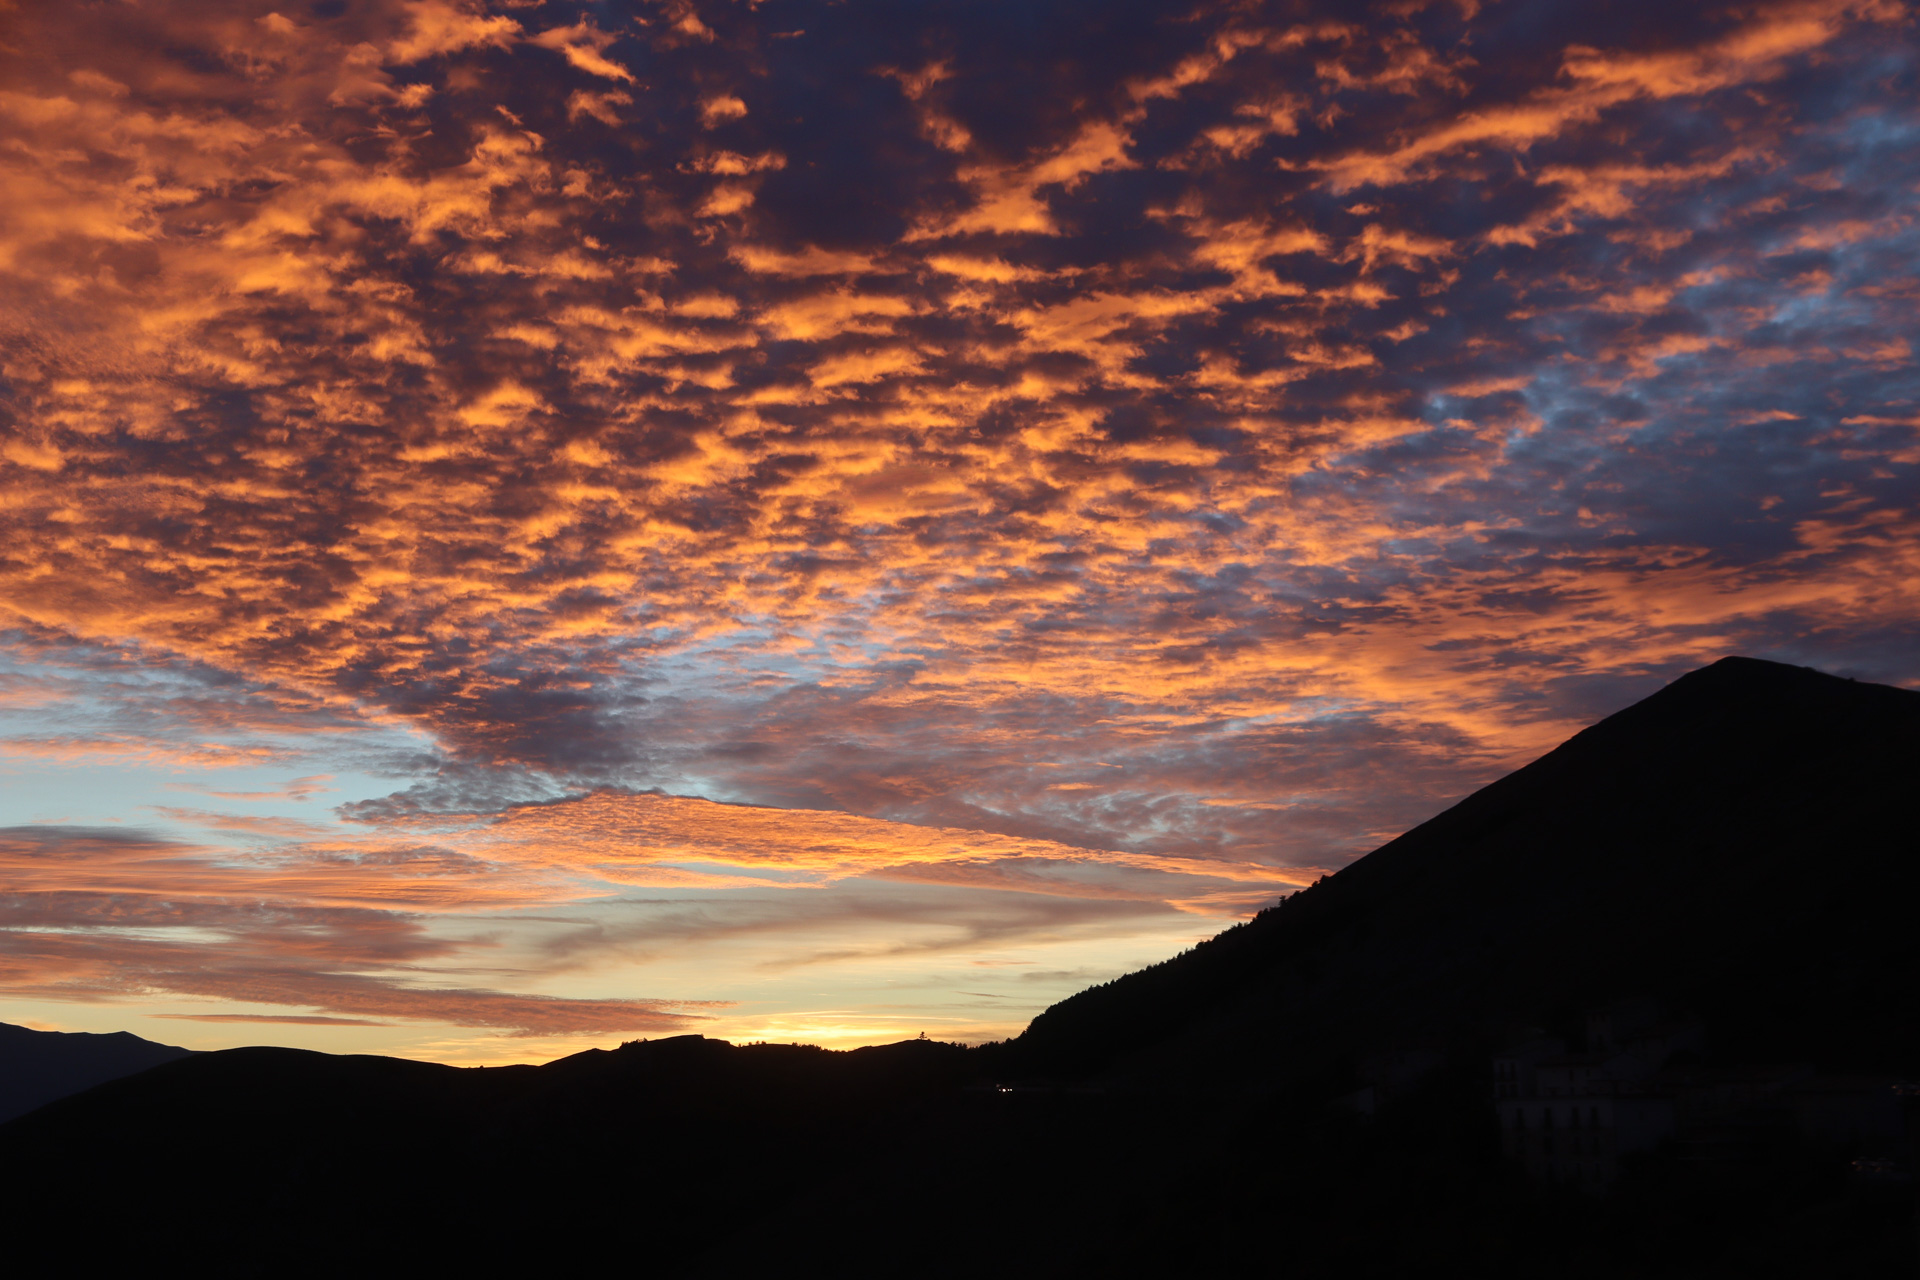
(1742, 846)
(38, 1066)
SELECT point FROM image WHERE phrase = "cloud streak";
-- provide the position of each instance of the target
(92, 915)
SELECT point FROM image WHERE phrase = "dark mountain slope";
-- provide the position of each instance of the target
(1744, 844)
(38, 1066)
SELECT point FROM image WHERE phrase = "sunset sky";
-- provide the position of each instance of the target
(534, 525)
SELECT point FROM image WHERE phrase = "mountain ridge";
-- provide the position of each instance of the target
(38, 1067)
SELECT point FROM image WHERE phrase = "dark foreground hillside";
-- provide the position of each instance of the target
(1739, 850)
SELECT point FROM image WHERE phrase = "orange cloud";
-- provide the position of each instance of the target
(437, 28)
(582, 44)
(1754, 52)
(649, 839)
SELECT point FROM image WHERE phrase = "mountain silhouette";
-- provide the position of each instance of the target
(1744, 844)
(37, 1067)
(1740, 847)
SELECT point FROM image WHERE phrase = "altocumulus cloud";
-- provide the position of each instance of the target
(1085, 448)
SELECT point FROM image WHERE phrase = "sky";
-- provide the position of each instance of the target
(525, 526)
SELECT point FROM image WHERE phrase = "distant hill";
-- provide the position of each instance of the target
(1742, 847)
(37, 1067)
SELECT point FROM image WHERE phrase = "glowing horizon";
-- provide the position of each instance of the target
(530, 525)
